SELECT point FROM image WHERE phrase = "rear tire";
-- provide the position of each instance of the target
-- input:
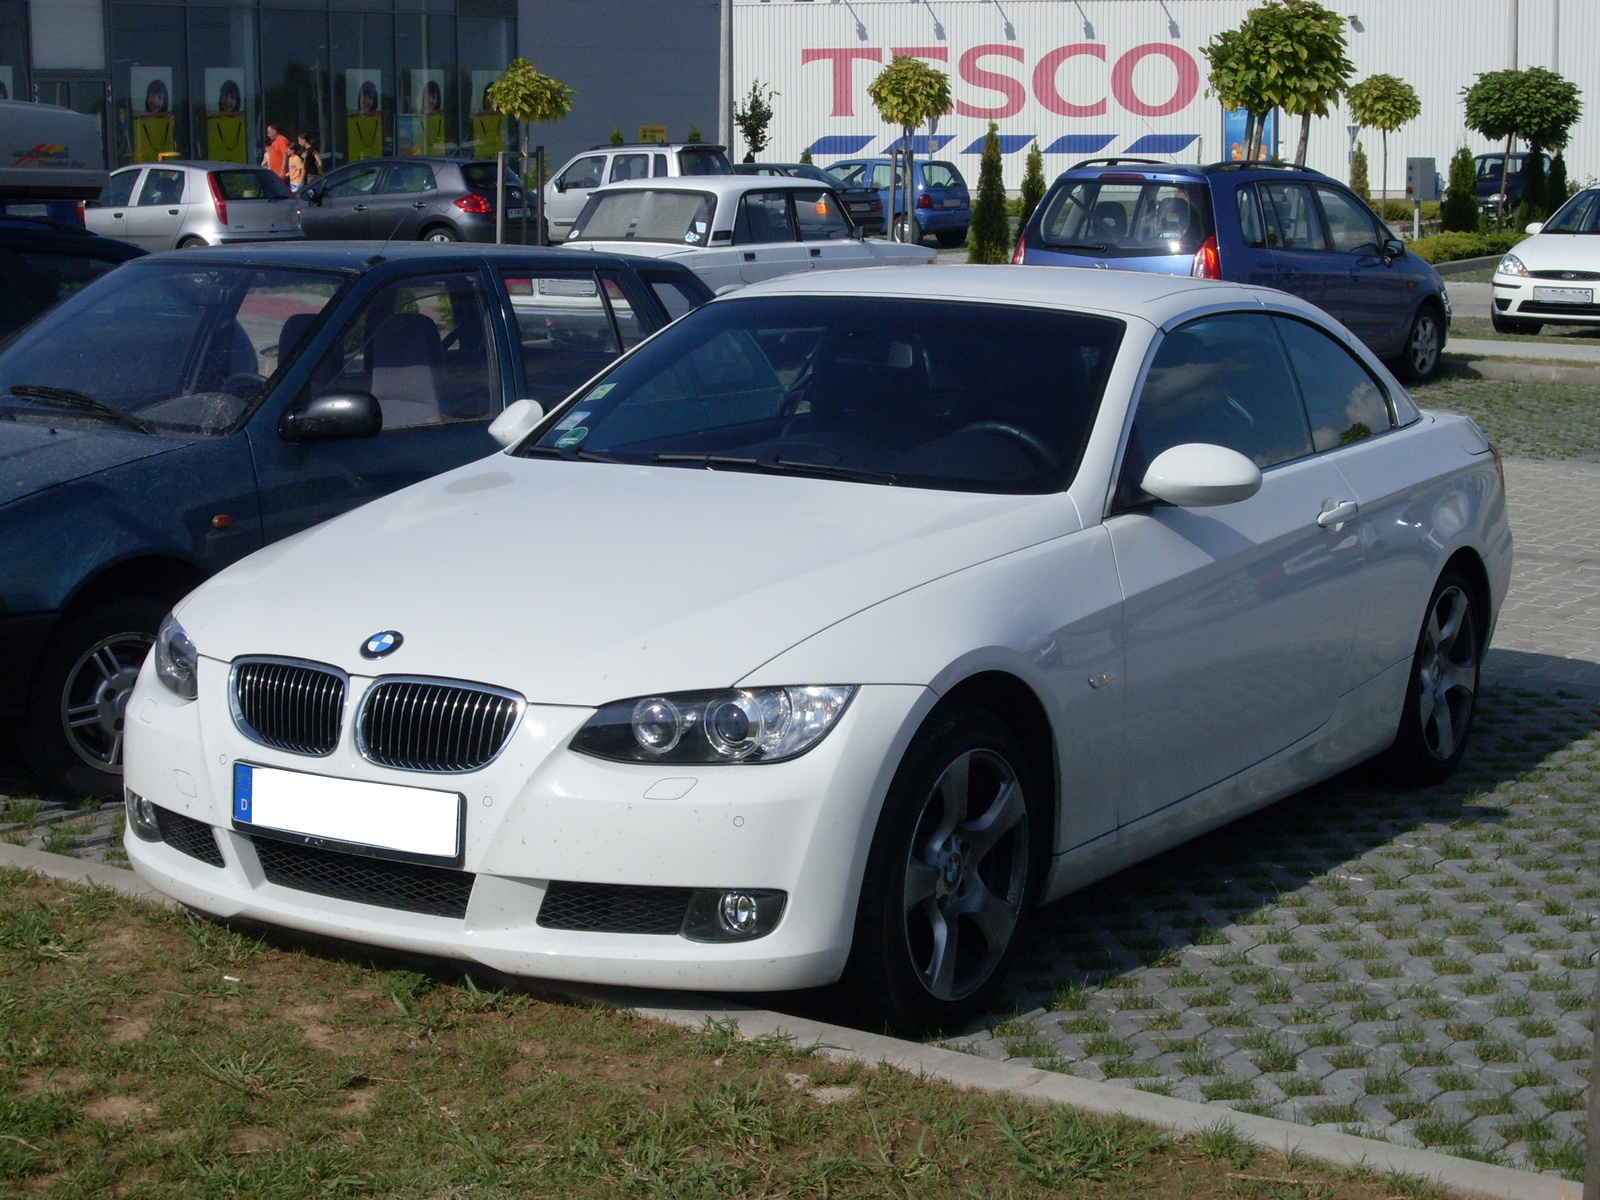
(73, 730)
(1419, 361)
(193, 243)
(956, 862)
(907, 230)
(1442, 693)
(1514, 324)
(440, 233)
(950, 239)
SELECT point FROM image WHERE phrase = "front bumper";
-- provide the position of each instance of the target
(539, 813)
(1514, 300)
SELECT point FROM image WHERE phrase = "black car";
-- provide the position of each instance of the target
(864, 204)
(1499, 183)
(411, 199)
(43, 261)
(189, 408)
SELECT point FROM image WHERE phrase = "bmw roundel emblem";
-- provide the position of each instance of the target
(381, 644)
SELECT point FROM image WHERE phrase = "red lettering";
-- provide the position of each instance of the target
(939, 53)
(1016, 95)
(1188, 80)
(1044, 81)
(842, 59)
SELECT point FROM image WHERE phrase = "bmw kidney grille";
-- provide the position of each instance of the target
(430, 725)
(293, 706)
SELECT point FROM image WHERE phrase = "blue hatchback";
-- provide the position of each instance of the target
(189, 408)
(940, 202)
(1259, 223)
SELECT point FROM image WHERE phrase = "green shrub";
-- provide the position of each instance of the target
(1460, 212)
(1358, 174)
(1033, 185)
(1449, 247)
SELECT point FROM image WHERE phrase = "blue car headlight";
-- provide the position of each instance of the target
(730, 725)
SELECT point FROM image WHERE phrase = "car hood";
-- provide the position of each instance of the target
(35, 456)
(1559, 252)
(579, 583)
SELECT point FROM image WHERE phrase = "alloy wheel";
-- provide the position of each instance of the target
(1424, 345)
(966, 875)
(94, 701)
(1447, 673)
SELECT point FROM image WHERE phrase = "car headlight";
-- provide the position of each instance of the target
(731, 725)
(177, 661)
(1511, 265)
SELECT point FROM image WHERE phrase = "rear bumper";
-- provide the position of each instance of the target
(234, 237)
(22, 640)
(937, 219)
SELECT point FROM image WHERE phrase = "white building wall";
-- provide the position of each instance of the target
(1141, 60)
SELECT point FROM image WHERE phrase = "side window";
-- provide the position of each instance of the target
(120, 190)
(1349, 224)
(849, 174)
(412, 177)
(630, 166)
(629, 326)
(65, 274)
(359, 181)
(423, 347)
(564, 330)
(161, 187)
(1291, 216)
(585, 173)
(1222, 380)
(1250, 224)
(1343, 400)
(880, 175)
(820, 217)
(674, 294)
(660, 170)
(940, 175)
(763, 217)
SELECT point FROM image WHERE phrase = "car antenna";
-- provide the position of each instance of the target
(378, 257)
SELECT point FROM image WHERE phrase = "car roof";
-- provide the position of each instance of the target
(1098, 168)
(37, 232)
(360, 256)
(607, 146)
(1149, 296)
(721, 185)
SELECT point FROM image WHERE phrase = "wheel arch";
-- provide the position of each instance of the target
(1467, 561)
(439, 223)
(164, 576)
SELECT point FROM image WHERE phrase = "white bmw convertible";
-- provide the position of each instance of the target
(827, 634)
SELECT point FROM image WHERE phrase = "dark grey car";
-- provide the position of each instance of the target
(411, 199)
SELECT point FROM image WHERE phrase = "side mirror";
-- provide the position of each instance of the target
(1534, 227)
(1393, 248)
(333, 417)
(561, 186)
(516, 423)
(1200, 475)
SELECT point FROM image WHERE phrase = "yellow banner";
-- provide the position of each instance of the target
(152, 136)
(488, 134)
(225, 137)
(365, 135)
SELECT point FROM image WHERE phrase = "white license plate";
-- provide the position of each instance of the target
(513, 214)
(379, 816)
(1563, 295)
(860, 207)
(952, 203)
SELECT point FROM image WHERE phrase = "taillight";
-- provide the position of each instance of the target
(1206, 264)
(472, 203)
(217, 198)
(1020, 254)
(925, 201)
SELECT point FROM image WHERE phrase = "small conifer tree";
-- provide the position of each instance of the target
(1531, 207)
(1032, 184)
(1459, 212)
(1358, 174)
(694, 134)
(1556, 190)
(990, 237)
(805, 157)
(616, 135)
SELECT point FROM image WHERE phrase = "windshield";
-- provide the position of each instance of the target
(1581, 214)
(169, 345)
(923, 393)
(646, 215)
(1127, 220)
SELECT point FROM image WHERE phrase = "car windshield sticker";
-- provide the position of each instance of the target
(600, 390)
(572, 437)
(571, 419)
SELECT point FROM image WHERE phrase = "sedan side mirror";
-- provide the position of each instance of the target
(1393, 248)
(1200, 475)
(1534, 227)
(333, 417)
(516, 423)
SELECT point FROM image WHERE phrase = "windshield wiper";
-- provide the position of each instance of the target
(573, 454)
(78, 401)
(1102, 247)
(788, 466)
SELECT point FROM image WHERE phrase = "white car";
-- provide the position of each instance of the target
(733, 230)
(570, 187)
(1554, 276)
(827, 633)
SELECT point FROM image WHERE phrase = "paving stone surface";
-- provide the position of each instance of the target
(1415, 964)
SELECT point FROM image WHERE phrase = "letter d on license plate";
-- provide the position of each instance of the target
(384, 819)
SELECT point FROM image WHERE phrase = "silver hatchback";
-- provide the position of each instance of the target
(182, 204)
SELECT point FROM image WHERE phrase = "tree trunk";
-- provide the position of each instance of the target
(1252, 136)
(1383, 209)
(1305, 136)
(1505, 167)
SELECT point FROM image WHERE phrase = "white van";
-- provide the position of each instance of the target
(48, 153)
(565, 194)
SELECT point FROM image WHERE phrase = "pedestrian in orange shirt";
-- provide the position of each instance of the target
(277, 155)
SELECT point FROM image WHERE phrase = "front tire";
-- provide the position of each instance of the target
(1419, 361)
(1442, 695)
(73, 731)
(193, 243)
(956, 861)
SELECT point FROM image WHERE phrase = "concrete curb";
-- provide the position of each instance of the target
(970, 1071)
(1514, 371)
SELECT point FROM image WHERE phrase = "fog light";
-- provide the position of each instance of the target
(141, 816)
(733, 915)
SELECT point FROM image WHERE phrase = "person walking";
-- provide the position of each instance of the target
(276, 156)
(295, 169)
(311, 156)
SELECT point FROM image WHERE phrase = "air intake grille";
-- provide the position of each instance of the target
(288, 706)
(1565, 274)
(436, 891)
(194, 838)
(425, 725)
(613, 908)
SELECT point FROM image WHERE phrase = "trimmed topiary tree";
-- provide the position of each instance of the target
(989, 240)
(906, 93)
(805, 157)
(1032, 184)
(1384, 103)
(1358, 174)
(1459, 212)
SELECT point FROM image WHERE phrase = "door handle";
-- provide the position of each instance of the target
(816, 252)
(749, 256)
(360, 208)
(420, 204)
(1336, 512)
(172, 212)
(116, 216)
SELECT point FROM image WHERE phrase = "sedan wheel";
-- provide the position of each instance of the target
(954, 866)
(440, 234)
(95, 698)
(1420, 360)
(1442, 695)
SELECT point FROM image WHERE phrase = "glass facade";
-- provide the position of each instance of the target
(14, 83)
(363, 78)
